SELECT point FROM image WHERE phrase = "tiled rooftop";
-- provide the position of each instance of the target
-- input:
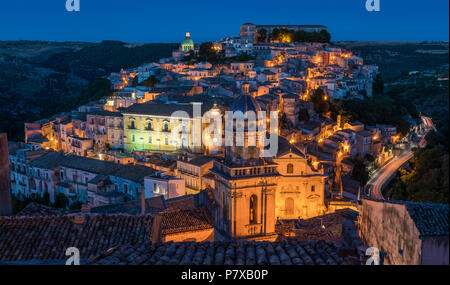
(152, 205)
(199, 160)
(431, 219)
(182, 202)
(326, 227)
(36, 209)
(48, 237)
(228, 253)
(50, 160)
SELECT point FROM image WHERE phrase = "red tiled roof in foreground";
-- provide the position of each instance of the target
(229, 253)
(177, 221)
(48, 237)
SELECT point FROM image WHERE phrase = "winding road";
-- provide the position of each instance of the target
(382, 175)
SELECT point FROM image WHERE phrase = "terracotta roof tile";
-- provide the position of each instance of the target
(47, 237)
(176, 221)
(228, 253)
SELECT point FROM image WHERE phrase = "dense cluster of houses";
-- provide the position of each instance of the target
(124, 153)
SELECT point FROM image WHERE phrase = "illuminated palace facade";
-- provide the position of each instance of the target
(151, 127)
(252, 192)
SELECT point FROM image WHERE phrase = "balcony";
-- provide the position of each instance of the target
(254, 229)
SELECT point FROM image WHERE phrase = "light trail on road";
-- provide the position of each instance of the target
(391, 169)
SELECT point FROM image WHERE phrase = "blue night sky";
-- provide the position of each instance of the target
(168, 20)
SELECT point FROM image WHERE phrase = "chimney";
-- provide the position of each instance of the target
(143, 200)
(78, 220)
(156, 228)
(85, 209)
(5, 183)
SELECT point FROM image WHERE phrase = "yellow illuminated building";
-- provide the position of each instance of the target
(155, 127)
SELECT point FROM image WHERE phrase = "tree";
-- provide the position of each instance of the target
(323, 107)
(325, 36)
(274, 36)
(206, 50)
(360, 172)
(378, 84)
(303, 115)
(135, 81)
(262, 36)
(45, 200)
(150, 82)
(76, 206)
(61, 201)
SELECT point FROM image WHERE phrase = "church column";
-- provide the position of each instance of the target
(234, 202)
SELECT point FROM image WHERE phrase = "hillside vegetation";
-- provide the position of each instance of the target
(41, 79)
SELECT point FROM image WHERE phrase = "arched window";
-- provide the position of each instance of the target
(289, 206)
(166, 126)
(149, 125)
(132, 124)
(290, 168)
(253, 218)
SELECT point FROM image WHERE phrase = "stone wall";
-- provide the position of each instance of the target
(5, 184)
(388, 227)
(196, 236)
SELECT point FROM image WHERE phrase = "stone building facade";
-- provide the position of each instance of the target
(252, 192)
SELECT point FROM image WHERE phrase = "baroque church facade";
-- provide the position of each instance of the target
(252, 192)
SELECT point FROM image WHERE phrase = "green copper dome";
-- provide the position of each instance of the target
(187, 44)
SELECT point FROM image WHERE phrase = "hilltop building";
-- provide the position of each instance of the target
(249, 31)
(188, 44)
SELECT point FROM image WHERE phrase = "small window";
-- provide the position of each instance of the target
(313, 188)
(133, 138)
(166, 126)
(150, 139)
(166, 141)
(253, 218)
(290, 168)
(289, 205)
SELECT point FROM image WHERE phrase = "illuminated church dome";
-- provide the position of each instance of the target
(247, 150)
(187, 44)
(245, 102)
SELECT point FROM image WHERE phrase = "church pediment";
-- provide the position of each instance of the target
(290, 155)
(313, 196)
